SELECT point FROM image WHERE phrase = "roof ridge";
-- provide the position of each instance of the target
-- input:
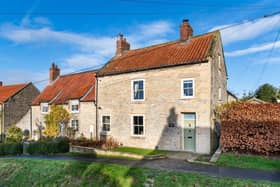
(157, 46)
(76, 73)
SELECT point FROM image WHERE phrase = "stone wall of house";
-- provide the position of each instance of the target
(24, 123)
(86, 117)
(218, 81)
(162, 103)
(17, 106)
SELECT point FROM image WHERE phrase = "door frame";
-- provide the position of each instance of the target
(183, 130)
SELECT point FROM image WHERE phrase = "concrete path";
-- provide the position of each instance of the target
(177, 165)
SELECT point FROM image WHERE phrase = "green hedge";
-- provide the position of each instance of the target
(58, 145)
(10, 148)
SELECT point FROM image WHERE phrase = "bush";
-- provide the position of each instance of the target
(10, 148)
(101, 144)
(14, 134)
(251, 128)
(57, 145)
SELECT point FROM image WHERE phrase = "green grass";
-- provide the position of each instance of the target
(38, 172)
(139, 151)
(248, 161)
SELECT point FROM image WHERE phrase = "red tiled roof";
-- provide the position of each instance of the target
(74, 86)
(8, 91)
(167, 54)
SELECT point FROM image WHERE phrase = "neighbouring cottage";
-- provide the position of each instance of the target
(15, 101)
(164, 96)
(231, 97)
(76, 93)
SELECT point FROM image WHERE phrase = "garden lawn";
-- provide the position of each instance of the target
(139, 151)
(38, 172)
(249, 161)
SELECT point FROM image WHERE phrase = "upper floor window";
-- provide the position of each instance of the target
(106, 123)
(187, 88)
(74, 106)
(75, 124)
(44, 108)
(138, 125)
(138, 90)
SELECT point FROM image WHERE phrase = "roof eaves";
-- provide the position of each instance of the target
(152, 68)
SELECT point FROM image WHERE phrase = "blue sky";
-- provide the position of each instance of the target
(34, 33)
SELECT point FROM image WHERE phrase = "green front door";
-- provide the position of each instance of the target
(189, 131)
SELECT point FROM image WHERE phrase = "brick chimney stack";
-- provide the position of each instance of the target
(122, 45)
(54, 72)
(1, 83)
(186, 30)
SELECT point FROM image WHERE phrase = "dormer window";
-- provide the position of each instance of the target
(74, 106)
(44, 108)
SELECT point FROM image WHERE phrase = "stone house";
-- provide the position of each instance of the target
(163, 96)
(76, 93)
(15, 101)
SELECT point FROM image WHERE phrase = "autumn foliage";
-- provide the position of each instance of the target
(250, 128)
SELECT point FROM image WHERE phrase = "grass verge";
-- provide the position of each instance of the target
(248, 161)
(39, 172)
(139, 151)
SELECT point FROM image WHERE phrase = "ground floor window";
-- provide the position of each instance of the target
(75, 124)
(138, 125)
(106, 123)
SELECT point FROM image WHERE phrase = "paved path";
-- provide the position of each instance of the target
(177, 165)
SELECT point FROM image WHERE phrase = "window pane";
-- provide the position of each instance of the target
(136, 131)
(106, 119)
(140, 120)
(141, 130)
(141, 84)
(138, 90)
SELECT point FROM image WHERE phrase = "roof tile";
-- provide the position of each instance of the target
(167, 54)
(73, 86)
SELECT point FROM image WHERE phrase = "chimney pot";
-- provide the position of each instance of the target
(186, 30)
(122, 45)
(1, 83)
(54, 72)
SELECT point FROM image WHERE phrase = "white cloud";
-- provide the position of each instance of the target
(91, 50)
(248, 30)
(254, 49)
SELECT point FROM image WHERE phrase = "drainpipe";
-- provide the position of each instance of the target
(31, 121)
(96, 108)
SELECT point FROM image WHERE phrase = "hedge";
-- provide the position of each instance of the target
(10, 149)
(58, 145)
(250, 128)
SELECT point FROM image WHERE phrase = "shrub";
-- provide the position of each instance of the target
(101, 144)
(10, 148)
(14, 134)
(57, 145)
(251, 128)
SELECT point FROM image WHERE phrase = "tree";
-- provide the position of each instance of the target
(55, 119)
(266, 92)
(247, 96)
(14, 134)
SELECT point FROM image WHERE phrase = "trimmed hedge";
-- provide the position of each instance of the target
(10, 149)
(58, 145)
(250, 128)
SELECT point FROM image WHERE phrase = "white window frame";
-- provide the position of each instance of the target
(106, 132)
(132, 125)
(42, 105)
(132, 89)
(78, 124)
(74, 102)
(182, 88)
